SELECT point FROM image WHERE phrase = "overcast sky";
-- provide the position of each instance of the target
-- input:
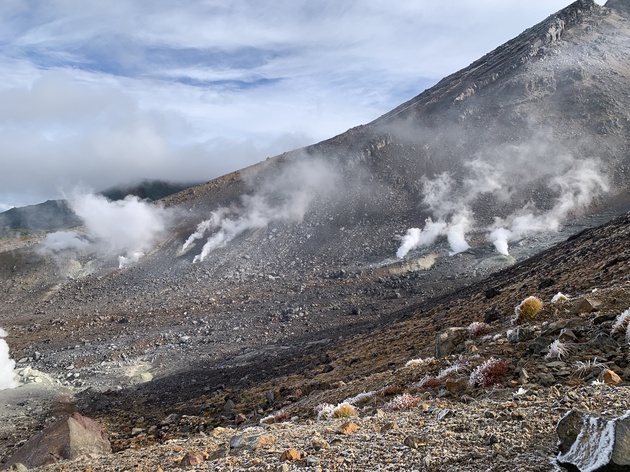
(98, 93)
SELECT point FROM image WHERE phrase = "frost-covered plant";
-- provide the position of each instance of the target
(583, 368)
(478, 328)
(528, 309)
(491, 372)
(402, 402)
(448, 371)
(461, 365)
(559, 297)
(360, 398)
(324, 410)
(428, 382)
(557, 350)
(342, 410)
(621, 322)
(276, 417)
(420, 362)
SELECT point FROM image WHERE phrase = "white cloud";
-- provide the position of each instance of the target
(103, 93)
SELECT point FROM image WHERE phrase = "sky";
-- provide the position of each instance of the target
(96, 93)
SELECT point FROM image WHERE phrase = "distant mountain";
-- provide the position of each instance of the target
(146, 189)
(54, 215)
(48, 216)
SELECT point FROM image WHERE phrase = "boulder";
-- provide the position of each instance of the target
(449, 341)
(590, 443)
(67, 438)
(520, 334)
(587, 305)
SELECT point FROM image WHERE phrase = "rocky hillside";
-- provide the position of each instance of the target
(47, 216)
(278, 288)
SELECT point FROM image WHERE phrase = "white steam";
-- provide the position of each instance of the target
(284, 198)
(128, 228)
(454, 219)
(7, 376)
(211, 223)
(577, 187)
(65, 241)
(500, 176)
(417, 237)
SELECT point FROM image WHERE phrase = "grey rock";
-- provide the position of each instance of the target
(592, 443)
(236, 442)
(546, 379)
(567, 335)
(229, 406)
(604, 318)
(587, 305)
(521, 334)
(539, 344)
(554, 329)
(249, 439)
(449, 341)
(173, 418)
(444, 414)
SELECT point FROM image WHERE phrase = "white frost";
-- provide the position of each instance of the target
(593, 448)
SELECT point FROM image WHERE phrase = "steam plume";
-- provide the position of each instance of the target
(501, 175)
(128, 228)
(65, 240)
(417, 237)
(285, 198)
(578, 187)
(7, 376)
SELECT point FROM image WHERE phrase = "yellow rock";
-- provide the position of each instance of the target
(291, 455)
(347, 428)
(609, 377)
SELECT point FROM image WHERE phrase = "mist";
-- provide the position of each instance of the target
(285, 197)
(537, 185)
(577, 188)
(126, 229)
(7, 376)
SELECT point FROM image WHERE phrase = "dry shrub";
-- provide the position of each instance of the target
(477, 329)
(389, 391)
(558, 350)
(491, 372)
(344, 410)
(528, 309)
(429, 382)
(281, 416)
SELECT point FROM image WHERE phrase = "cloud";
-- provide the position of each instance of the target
(102, 94)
